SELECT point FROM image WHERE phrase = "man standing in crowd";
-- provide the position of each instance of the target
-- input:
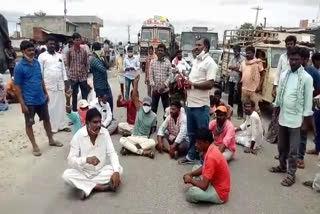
(130, 66)
(103, 107)
(216, 101)
(55, 78)
(180, 63)
(10, 55)
(77, 63)
(251, 135)
(99, 68)
(172, 134)
(201, 80)
(32, 95)
(151, 56)
(294, 97)
(210, 182)
(91, 147)
(119, 67)
(252, 78)
(234, 80)
(315, 74)
(283, 65)
(140, 142)
(160, 71)
(106, 51)
(223, 132)
(316, 60)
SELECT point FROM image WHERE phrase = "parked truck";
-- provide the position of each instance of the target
(188, 39)
(154, 31)
(4, 35)
(269, 45)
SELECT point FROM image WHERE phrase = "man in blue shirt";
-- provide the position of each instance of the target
(315, 74)
(32, 94)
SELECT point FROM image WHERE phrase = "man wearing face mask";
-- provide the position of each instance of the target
(103, 107)
(140, 143)
(55, 78)
(100, 77)
(77, 63)
(32, 94)
(201, 80)
(91, 149)
(130, 66)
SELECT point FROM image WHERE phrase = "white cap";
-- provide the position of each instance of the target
(83, 104)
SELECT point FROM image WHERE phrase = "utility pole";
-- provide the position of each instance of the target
(129, 33)
(257, 15)
(65, 9)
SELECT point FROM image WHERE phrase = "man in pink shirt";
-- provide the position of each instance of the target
(223, 133)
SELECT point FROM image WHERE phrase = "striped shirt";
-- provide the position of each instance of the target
(99, 71)
(78, 64)
(160, 71)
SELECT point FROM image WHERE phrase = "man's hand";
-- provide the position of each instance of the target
(274, 91)
(116, 180)
(188, 84)
(159, 147)
(147, 82)
(24, 109)
(93, 160)
(120, 97)
(47, 98)
(187, 178)
(172, 149)
(259, 89)
(137, 78)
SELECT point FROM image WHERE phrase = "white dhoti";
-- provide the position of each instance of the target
(244, 138)
(57, 110)
(144, 142)
(125, 128)
(112, 126)
(80, 180)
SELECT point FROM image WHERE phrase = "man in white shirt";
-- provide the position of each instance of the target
(283, 65)
(201, 81)
(103, 107)
(90, 148)
(251, 131)
(172, 134)
(130, 67)
(180, 63)
(55, 77)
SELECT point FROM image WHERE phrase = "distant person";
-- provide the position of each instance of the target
(172, 134)
(74, 118)
(252, 78)
(77, 64)
(283, 65)
(132, 106)
(216, 101)
(151, 56)
(234, 80)
(160, 71)
(200, 82)
(211, 181)
(83, 107)
(121, 77)
(99, 68)
(180, 63)
(10, 55)
(127, 46)
(106, 50)
(56, 81)
(224, 134)
(294, 98)
(91, 149)
(140, 142)
(120, 48)
(32, 95)
(130, 66)
(316, 60)
(3, 98)
(107, 120)
(250, 133)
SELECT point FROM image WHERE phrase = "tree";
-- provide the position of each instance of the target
(247, 26)
(40, 13)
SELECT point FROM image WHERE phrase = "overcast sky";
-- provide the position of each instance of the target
(217, 14)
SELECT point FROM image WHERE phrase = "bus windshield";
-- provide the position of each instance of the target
(164, 36)
(146, 35)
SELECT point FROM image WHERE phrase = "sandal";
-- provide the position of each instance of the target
(307, 184)
(56, 144)
(288, 181)
(277, 169)
(300, 164)
(66, 129)
(312, 152)
(36, 153)
(149, 154)
(247, 150)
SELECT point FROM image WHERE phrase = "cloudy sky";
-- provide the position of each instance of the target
(217, 14)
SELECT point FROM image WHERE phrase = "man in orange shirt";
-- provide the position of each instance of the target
(210, 182)
(252, 78)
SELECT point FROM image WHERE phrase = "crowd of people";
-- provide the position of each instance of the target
(197, 127)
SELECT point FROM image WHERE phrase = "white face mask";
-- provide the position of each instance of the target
(102, 104)
(146, 109)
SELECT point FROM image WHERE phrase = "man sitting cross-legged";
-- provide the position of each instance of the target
(172, 134)
(223, 132)
(210, 182)
(90, 148)
(140, 143)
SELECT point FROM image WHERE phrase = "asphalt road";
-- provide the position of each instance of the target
(35, 186)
